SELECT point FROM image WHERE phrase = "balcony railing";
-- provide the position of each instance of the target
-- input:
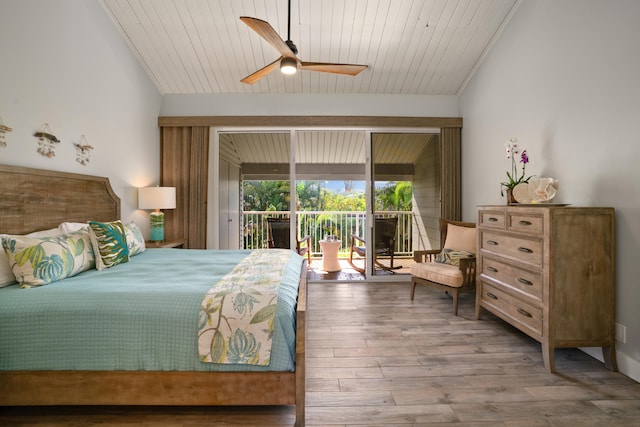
(319, 224)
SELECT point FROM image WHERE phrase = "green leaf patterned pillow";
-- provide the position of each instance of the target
(452, 256)
(37, 261)
(109, 243)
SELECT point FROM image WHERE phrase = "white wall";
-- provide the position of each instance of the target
(311, 105)
(65, 64)
(563, 79)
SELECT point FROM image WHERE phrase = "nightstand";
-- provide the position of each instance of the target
(174, 243)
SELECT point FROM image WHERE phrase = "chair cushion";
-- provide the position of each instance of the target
(461, 238)
(445, 274)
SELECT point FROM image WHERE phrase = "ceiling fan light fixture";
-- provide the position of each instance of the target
(288, 66)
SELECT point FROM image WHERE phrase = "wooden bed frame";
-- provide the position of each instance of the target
(35, 199)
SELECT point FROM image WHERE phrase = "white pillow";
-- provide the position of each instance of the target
(135, 240)
(72, 227)
(6, 274)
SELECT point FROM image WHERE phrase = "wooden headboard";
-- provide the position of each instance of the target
(37, 199)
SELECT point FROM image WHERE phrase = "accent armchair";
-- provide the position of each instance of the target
(451, 268)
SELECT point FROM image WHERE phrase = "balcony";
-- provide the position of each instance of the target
(319, 224)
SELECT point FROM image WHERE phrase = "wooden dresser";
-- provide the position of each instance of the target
(550, 272)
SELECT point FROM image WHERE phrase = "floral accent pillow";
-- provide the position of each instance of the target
(37, 261)
(6, 275)
(453, 256)
(135, 240)
(109, 243)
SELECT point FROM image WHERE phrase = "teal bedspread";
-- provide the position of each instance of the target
(140, 315)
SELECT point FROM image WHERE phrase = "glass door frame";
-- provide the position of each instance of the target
(214, 170)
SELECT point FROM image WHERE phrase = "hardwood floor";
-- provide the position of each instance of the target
(375, 358)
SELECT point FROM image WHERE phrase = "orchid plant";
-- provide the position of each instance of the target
(512, 151)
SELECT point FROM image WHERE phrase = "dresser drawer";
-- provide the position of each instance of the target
(525, 250)
(491, 219)
(525, 222)
(525, 316)
(527, 282)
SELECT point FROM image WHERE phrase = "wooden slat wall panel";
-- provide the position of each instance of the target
(184, 165)
(198, 173)
(451, 173)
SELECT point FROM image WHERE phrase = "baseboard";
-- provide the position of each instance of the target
(626, 365)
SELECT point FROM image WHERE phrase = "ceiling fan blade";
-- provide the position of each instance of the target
(252, 78)
(266, 31)
(348, 69)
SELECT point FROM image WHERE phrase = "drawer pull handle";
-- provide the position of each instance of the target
(524, 312)
(524, 222)
(492, 242)
(492, 269)
(525, 281)
(490, 295)
(525, 250)
(493, 219)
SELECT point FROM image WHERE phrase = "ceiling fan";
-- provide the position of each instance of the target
(288, 61)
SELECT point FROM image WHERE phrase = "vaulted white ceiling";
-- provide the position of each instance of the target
(424, 47)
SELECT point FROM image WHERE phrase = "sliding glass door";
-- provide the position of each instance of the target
(376, 195)
(331, 203)
(404, 177)
(253, 185)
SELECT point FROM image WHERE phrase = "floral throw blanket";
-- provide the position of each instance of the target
(237, 314)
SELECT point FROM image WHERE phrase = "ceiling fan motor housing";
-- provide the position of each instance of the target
(292, 46)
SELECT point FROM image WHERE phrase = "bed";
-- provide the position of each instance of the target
(34, 199)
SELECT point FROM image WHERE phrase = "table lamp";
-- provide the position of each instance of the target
(157, 198)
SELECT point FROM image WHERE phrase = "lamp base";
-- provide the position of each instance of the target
(156, 226)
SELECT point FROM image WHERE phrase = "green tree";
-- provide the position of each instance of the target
(309, 196)
(342, 202)
(402, 196)
(265, 195)
(394, 196)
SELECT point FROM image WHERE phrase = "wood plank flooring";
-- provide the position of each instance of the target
(374, 358)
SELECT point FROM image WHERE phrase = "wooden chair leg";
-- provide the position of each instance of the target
(455, 293)
(413, 289)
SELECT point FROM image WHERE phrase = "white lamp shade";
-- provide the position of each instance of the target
(157, 198)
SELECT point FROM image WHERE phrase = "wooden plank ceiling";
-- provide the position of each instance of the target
(423, 47)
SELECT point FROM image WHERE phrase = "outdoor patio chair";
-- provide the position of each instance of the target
(384, 242)
(278, 237)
